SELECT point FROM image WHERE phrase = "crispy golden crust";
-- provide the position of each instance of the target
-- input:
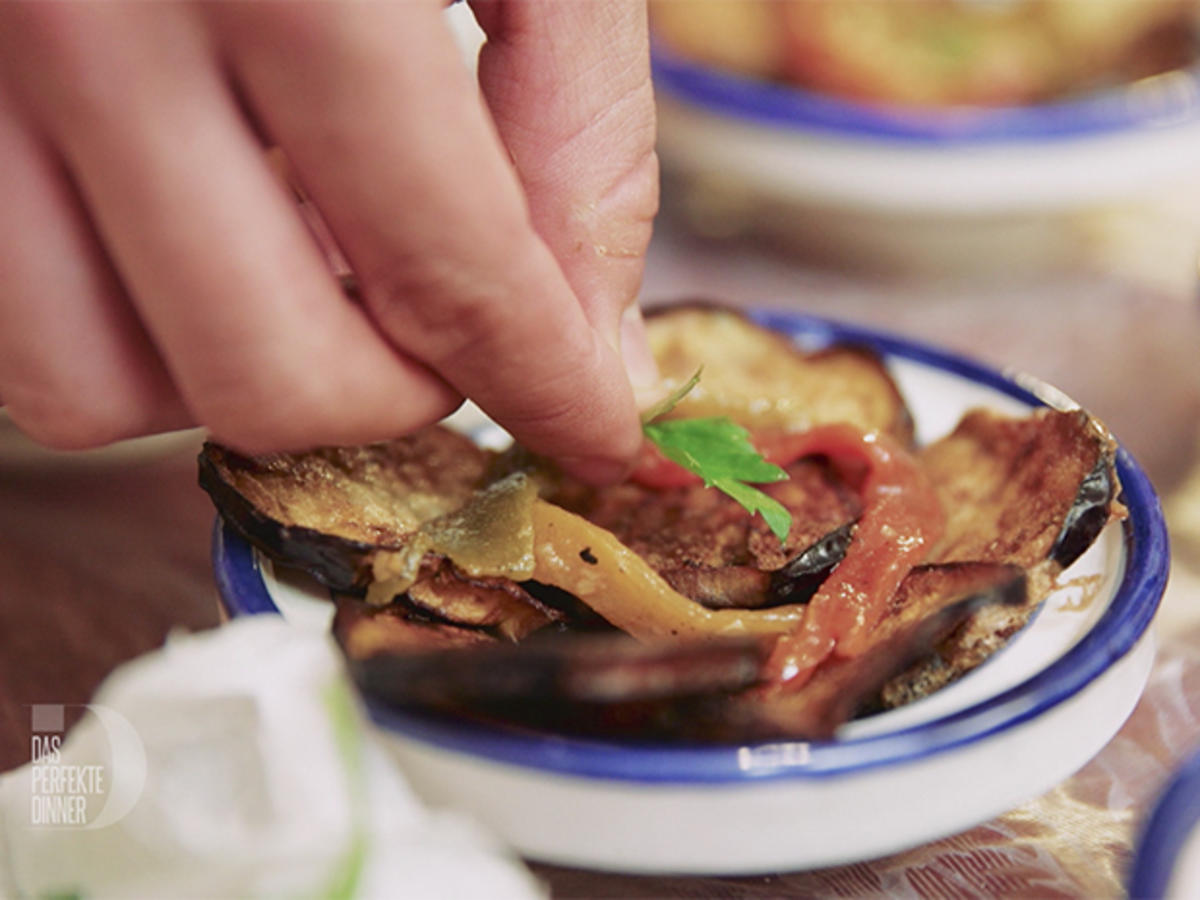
(498, 604)
(364, 631)
(1034, 492)
(763, 381)
(329, 511)
(377, 493)
(1009, 485)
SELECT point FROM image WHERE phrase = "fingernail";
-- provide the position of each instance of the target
(635, 351)
(594, 469)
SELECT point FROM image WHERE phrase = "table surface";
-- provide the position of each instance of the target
(101, 557)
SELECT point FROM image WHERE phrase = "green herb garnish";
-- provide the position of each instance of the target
(720, 452)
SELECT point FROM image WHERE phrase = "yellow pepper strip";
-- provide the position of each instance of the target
(588, 561)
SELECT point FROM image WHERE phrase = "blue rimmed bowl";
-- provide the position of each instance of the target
(917, 187)
(1013, 728)
(1166, 861)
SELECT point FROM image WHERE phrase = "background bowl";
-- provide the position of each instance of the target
(1167, 857)
(960, 187)
(1022, 722)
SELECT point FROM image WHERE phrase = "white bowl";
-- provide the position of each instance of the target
(916, 187)
(1166, 861)
(1013, 728)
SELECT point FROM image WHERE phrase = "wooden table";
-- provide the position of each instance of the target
(99, 560)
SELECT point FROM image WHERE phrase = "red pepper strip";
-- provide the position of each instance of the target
(901, 519)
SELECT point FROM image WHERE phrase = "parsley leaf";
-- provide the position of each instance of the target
(720, 452)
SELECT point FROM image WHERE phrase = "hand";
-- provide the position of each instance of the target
(156, 273)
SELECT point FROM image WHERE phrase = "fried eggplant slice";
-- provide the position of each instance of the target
(1034, 491)
(567, 670)
(707, 548)
(693, 691)
(931, 603)
(972, 643)
(329, 511)
(499, 604)
(764, 382)
(365, 631)
(1023, 490)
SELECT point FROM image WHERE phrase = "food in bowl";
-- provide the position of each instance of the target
(489, 584)
(934, 52)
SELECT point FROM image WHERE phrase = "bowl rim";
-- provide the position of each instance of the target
(1118, 629)
(1133, 107)
(1166, 831)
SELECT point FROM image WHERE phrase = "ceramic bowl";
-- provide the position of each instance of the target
(1011, 729)
(957, 187)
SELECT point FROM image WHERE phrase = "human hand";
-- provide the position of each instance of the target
(156, 273)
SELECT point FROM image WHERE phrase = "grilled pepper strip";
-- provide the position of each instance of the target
(901, 520)
(589, 562)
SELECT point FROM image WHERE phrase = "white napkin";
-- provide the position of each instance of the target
(233, 763)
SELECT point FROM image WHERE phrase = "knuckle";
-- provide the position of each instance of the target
(442, 310)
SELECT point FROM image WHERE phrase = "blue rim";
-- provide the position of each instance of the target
(1174, 818)
(783, 106)
(1114, 634)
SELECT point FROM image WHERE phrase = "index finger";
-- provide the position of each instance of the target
(569, 87)
(386, 130)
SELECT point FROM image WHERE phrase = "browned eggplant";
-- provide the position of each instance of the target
(329, 511)
(567, 670)
(761, 380)
(692, 691)
(498, 604)
(678, 568)
(706, 547)
(364, 631)
(931, 603)
(1022, 490)
(1033, 491)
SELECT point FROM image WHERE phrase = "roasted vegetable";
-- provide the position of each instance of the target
(568, 670)
(704, 545)
(691, 691)
(1035, 492)
(329, 511)
(1022, 490)
(758, 379)
(901, 570)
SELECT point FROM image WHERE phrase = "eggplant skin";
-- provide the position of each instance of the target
(1089, 513)
(1022, 490)
(804, 574)
(338, 563)
(692, 692)
(329, 510)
